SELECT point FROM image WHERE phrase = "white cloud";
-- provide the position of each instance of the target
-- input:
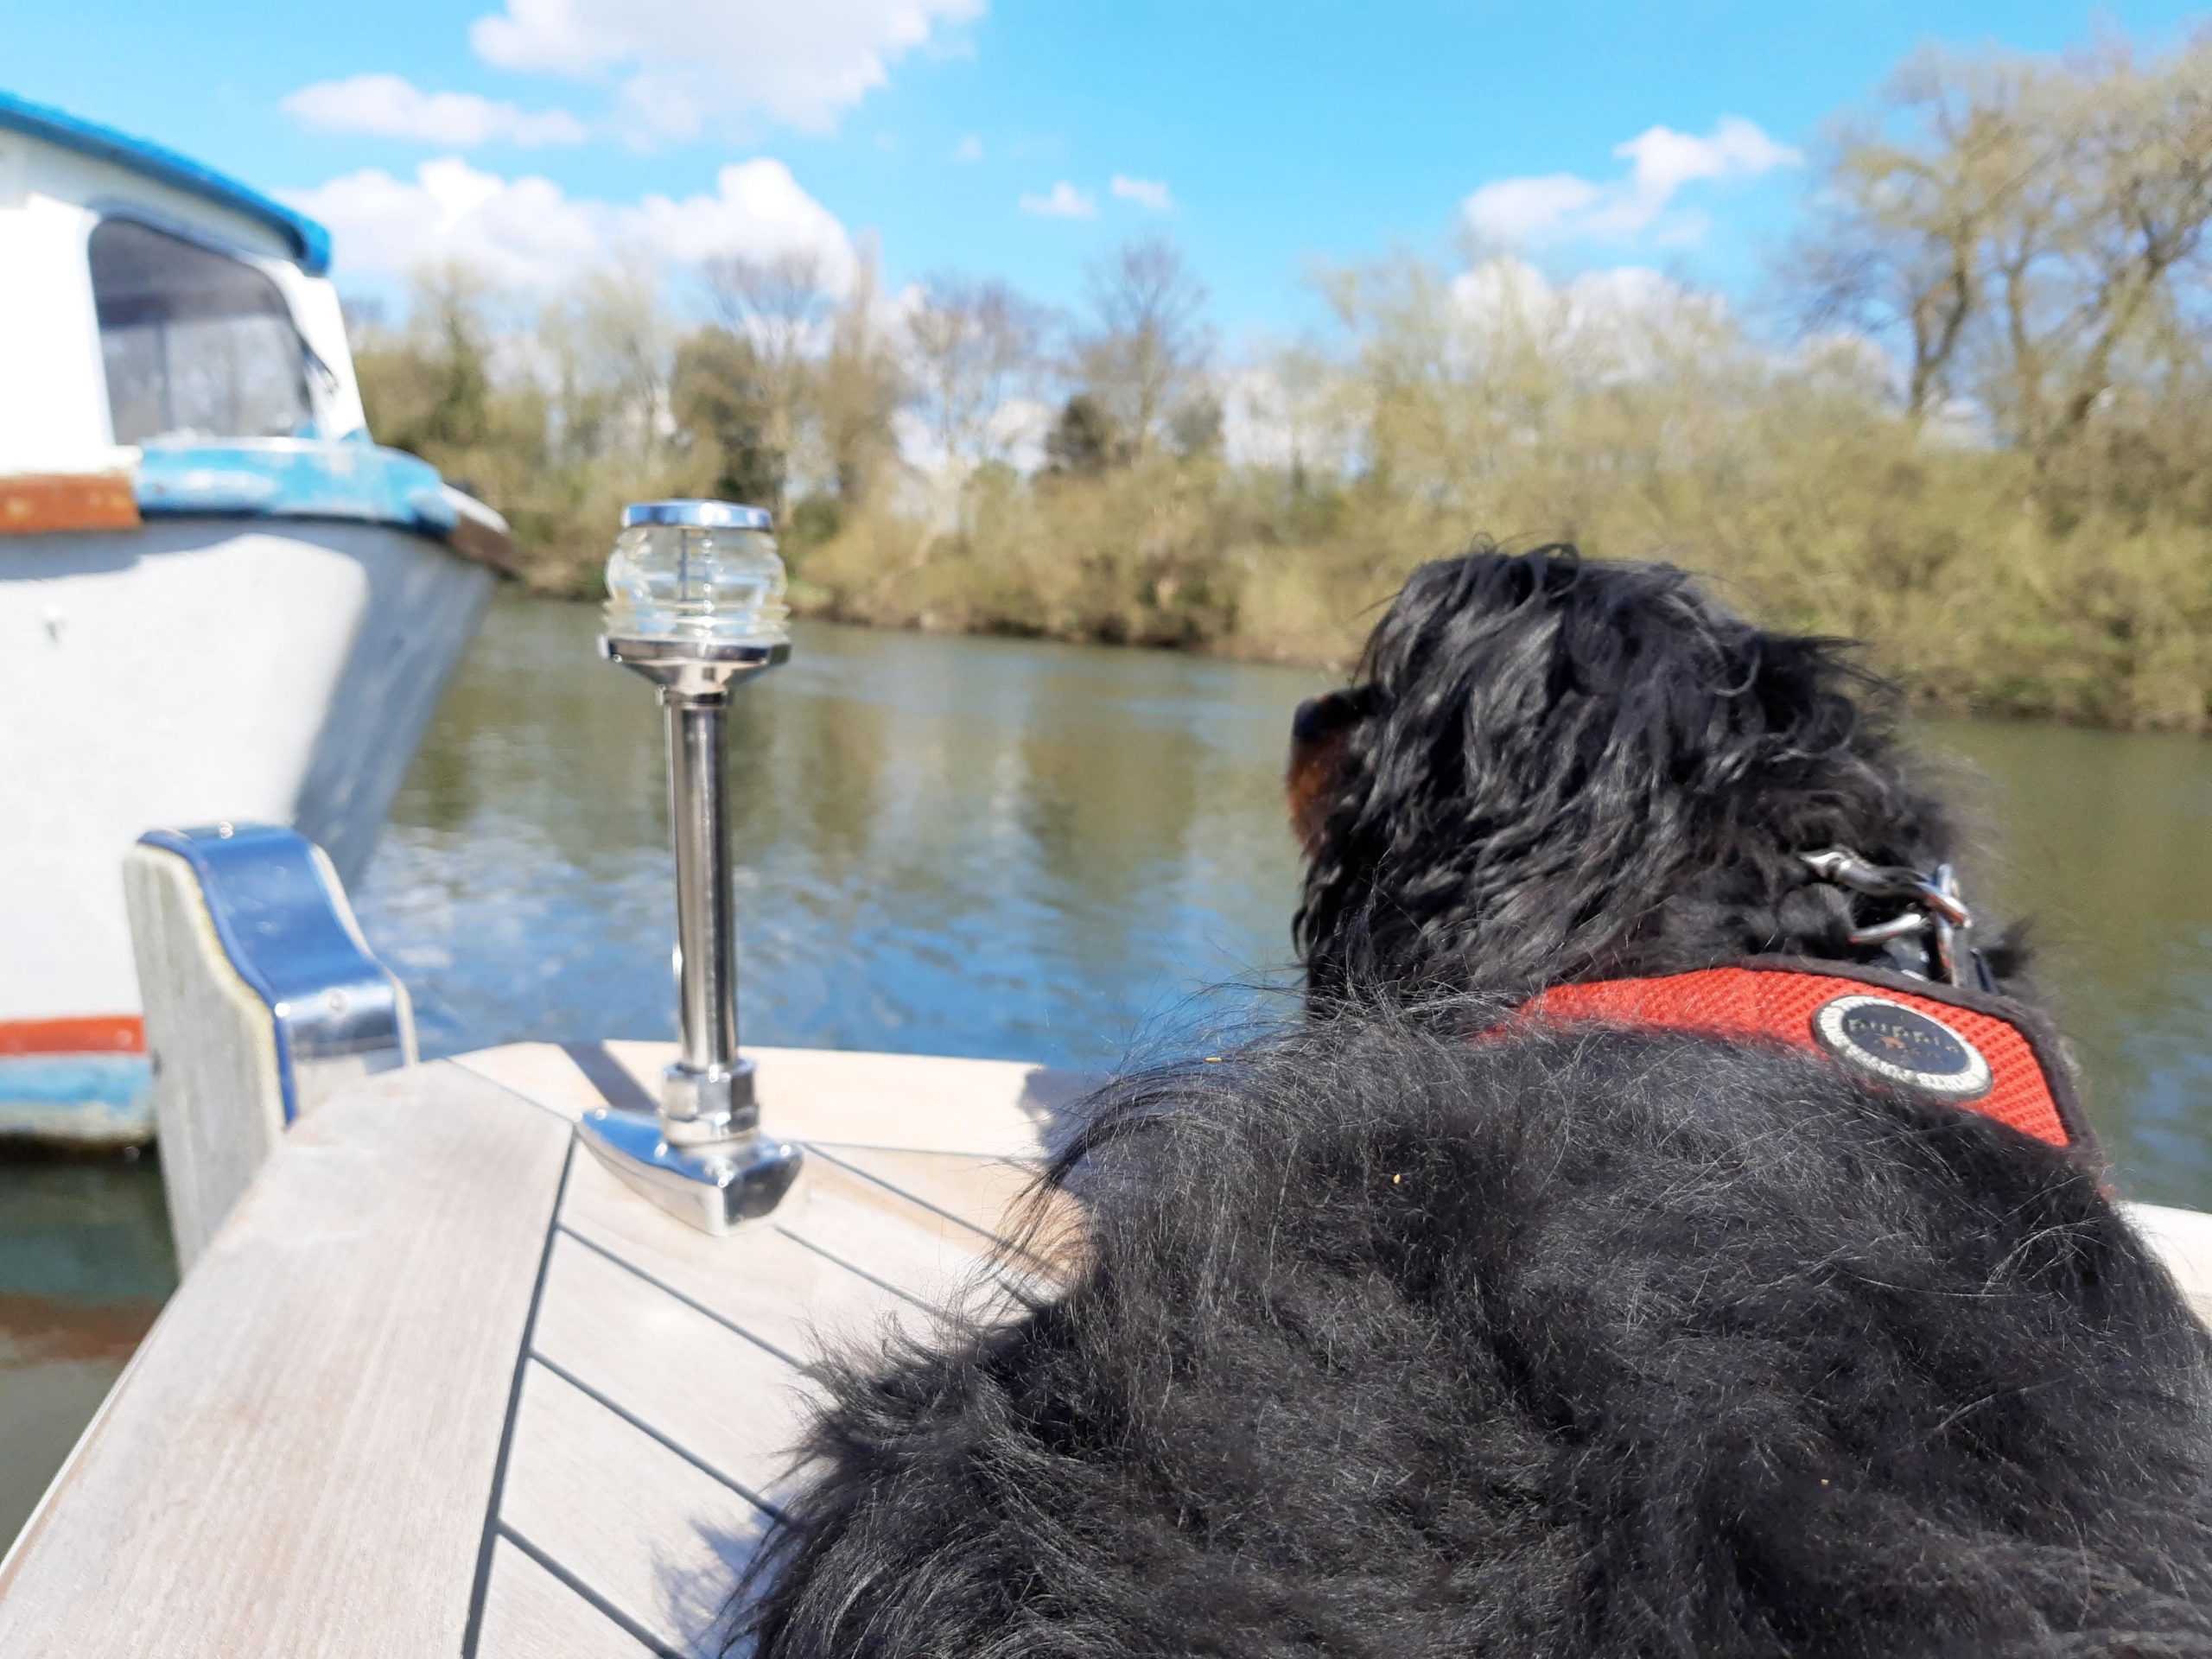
(969, 149)
(391, 107)
(1564, 206)
(1622, 323)
(1149, 194)
(1014, 432)
(1017, 431)
(1507, 288)
(1062, 201)
(680, 62)
(1662, 161)
(1258, 428)
(527, 233)
(1630, 322)
(1280, 410)
(1514, 211)
(1845, 358)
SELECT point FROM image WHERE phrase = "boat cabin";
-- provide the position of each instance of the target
(151, 301)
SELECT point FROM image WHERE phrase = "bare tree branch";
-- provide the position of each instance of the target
(1148, 345)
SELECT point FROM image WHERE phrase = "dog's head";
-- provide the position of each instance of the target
(1549, 769)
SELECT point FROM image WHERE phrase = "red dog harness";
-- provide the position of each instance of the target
(1983, 1053)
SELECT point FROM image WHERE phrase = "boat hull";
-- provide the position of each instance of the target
(187, 672)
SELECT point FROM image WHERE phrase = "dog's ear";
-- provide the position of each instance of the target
(1318, 732)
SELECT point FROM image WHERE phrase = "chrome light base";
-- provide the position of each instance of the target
(692, 668)
(714, 1185)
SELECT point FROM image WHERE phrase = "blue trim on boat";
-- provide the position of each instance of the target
(295, 477)
(114, 1080)
(77, 1100)
(309, 242)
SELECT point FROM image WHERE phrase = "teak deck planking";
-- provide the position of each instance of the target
(443, 1385)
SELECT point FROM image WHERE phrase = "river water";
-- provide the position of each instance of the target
(1028, 851)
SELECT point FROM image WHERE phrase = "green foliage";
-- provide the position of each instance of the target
(2014, 506)
(1131, 555)
(603, 401)
(1082, 441)
(1795, 484)
(721, 407)
(1195, 429)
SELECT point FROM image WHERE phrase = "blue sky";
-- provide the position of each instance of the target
(1260, 137)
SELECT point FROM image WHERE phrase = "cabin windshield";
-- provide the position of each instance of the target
(194, 342)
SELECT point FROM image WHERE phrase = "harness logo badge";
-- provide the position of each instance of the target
(1903, 1044)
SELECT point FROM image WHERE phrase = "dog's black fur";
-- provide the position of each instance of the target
(1393, 1344)
(1394, 1335)
(1551, 770)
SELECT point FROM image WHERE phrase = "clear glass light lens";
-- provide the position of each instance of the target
(683, 582)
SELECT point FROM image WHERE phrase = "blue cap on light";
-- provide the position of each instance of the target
(696, 515)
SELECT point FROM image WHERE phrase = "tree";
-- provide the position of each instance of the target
(782, 305)
(2028, 232)
(2133, 229)
(614, 350)
(973, 345)
(1195, 427)
(1899, 252)
(859, 385)
(722, 408)
(453, 387)
(1082, 442)
(427, 390)
(1148, 343)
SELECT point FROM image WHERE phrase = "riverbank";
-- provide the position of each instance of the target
(1978, 598)
(2061, 574)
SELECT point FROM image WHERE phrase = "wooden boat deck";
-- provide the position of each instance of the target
(443, 1385)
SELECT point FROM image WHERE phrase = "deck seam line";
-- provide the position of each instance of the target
(828, 1156)
(691, 1302)
(584, 1592)
(472, 1633)
(459, 1063)
(773, 1511)
(930, 1308)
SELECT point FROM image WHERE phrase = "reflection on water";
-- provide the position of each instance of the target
(1044, 852)
(84, 1264)
(1040, 852)
(966, 847)
(2102, 840)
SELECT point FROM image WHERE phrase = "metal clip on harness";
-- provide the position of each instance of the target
(1937, 919)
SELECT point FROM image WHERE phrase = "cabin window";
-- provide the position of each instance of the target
(194, 342)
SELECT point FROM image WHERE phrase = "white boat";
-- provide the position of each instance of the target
(218, 599)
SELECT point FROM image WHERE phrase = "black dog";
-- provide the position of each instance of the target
(1422, 1329)
(1552, 771)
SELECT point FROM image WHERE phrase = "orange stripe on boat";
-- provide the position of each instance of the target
(98, 1034)
(31, 502)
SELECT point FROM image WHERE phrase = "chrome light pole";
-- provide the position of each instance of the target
(695, 605)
